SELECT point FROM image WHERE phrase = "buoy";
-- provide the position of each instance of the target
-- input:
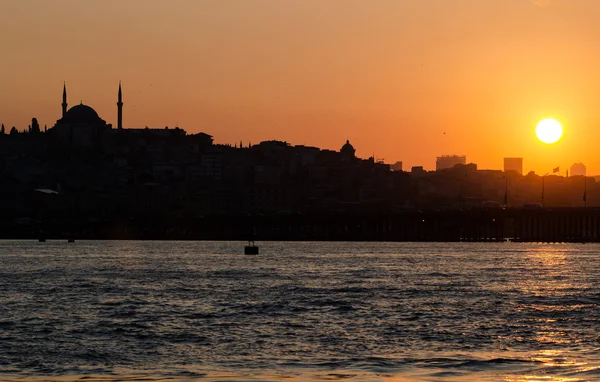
(251, 249)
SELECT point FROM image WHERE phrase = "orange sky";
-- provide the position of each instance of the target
(404, 79)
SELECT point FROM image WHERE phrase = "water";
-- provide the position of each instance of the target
(107, 311)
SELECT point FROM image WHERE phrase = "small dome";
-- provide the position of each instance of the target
(347, 149)
(82, 114)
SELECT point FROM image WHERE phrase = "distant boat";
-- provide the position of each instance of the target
(42, 240)
(70, 240)
(251, 249)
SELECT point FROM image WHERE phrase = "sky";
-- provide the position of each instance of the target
(403, 80)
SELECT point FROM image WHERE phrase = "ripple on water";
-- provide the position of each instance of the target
(305, 311)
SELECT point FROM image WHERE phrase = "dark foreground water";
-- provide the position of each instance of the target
(106, 311)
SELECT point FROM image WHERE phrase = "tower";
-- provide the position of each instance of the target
(64, 103)
(513, 164)
(120, 109)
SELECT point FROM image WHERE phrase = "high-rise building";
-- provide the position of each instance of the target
(513, 164)
(397, 166)
(449, 161)
(578, 169)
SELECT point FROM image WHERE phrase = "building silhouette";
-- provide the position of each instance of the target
(449, 161)
(513, 164)
(107, 172)
(578, 169)
(348, 151)
(84, 174)
(397, 166)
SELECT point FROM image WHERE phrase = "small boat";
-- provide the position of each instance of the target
(42, 240)
(251, 249)
(70, 240)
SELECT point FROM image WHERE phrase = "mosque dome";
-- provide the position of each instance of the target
(82, 114)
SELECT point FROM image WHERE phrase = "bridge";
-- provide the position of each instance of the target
(521, 225)
(478, 225)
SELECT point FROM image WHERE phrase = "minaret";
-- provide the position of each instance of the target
(64, 103)
(120, 109)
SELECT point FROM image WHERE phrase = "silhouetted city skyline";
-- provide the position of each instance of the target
(82, 171)
(299, 190)
(87, 118)
(385, 77)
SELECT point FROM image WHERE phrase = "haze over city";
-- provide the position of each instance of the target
(402, 80)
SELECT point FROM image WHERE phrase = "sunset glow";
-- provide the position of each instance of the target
(405, 80)
(293, 190)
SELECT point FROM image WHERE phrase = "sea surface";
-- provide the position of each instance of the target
(321, 311)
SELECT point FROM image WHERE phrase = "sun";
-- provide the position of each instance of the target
(549, 130)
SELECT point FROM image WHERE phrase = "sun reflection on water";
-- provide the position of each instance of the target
(547, 274)
(304, 312)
